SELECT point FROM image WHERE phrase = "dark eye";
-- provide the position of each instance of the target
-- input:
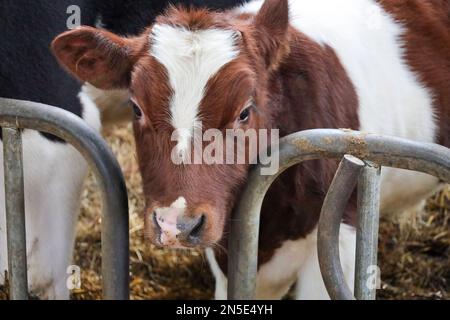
(137, 111)
(245, 115)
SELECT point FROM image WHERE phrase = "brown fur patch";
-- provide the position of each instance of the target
(427, 44)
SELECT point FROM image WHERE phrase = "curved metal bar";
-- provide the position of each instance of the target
(311, 145)
(67, 126)
(333, 209)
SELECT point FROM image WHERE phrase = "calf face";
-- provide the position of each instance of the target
(191, 71)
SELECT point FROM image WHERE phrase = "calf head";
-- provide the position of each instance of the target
(192, 70)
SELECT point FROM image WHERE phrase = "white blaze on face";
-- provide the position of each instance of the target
(191, 58)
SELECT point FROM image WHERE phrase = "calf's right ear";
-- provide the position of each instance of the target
(99, 57)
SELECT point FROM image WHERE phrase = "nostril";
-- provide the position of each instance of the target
(156, 223)
(198, 228)
(191, 228)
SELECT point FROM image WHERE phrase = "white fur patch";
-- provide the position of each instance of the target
(180, 203)
(221, 290)
(368, 43)
(310, 285)
(91, 113)
(191, 59)
(276, 276)
(114, 105)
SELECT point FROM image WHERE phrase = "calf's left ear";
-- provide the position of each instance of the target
(272, 23)
(99, 57)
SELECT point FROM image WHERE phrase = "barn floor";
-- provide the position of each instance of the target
(414, 260)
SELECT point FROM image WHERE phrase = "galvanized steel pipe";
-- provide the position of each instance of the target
(67, 126)
(15, 213)
(312, 145)
(333, 209)
(366, 270)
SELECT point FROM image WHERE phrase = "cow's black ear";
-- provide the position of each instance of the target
(272, 24)
(97, 56)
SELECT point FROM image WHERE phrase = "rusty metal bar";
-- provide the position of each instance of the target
(67, 126)
(15, 213)
(312, 145)
(333, 209)
(367, 233)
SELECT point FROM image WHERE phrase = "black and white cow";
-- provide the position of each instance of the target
(54, 171)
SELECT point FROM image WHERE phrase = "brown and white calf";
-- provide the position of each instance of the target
(375, 66)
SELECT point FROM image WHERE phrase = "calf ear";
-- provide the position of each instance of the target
(96, 56)
(272, 23)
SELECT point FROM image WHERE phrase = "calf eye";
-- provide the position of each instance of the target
(245, 115)
(137, 111)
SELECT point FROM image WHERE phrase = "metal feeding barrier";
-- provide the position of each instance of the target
(16, 115)
(362, 157)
